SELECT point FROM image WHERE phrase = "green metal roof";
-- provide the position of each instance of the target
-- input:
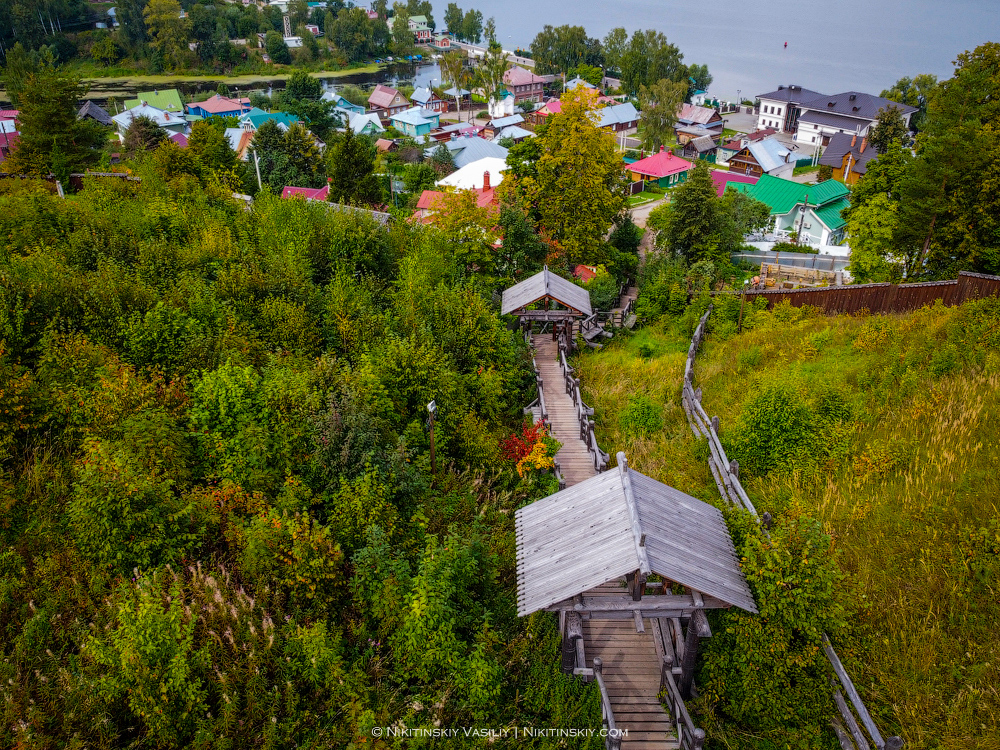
(169, 100)
(256, 119)
(783, 195)
(830, 213)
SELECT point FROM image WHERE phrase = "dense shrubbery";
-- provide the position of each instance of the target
(219, 520)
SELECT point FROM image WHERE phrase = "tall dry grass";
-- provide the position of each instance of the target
(916, 479)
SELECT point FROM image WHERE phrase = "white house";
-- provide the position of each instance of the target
(851, 112)
(779, 109)
(502, 107)
(171, 123)
(473, 175)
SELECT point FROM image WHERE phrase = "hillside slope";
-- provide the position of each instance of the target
(884, 428)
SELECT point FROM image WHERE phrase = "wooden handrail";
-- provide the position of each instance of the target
(614, 741)
(689, 737)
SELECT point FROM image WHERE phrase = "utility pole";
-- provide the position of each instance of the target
(802, 218)
(432, 409)
(256, 164)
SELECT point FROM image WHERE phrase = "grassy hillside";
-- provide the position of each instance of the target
(884, 428)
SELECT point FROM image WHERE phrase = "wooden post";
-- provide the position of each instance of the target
(574, 631)
(696, 630)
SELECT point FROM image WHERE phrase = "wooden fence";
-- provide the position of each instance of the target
(884, 298)
(727, 478)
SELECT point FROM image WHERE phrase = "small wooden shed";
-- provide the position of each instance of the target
(574, 546)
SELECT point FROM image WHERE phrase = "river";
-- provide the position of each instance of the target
(861, 45)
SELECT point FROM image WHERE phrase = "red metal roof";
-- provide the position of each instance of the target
(722, 179)
(518, 76)
(585, 273)
(217, 103)
(180, 139)
(662, 164)
(315, 193)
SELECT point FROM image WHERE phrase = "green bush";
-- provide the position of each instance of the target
(767, 671)
(640, 417)
(776, 431)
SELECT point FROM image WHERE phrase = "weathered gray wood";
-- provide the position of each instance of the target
(637, 616)
(697, 626)
(846, 743)
(852, 693)
(852, 724)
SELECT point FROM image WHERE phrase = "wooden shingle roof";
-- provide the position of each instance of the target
(545, 284)
(616, 523)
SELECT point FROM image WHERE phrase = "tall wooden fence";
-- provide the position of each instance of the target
(885, 298)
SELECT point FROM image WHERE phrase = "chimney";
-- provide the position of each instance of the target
(853, 97)
(864, 144)
(854, 140)
(486, 180)
(662, 149)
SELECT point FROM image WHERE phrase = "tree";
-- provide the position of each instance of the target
(560, 49)
(650, 58)
(208, 142)
(469, 228)
(21, 65)
(871, 232)
(453, 70)
(691, 223)
(49, 128)
(419, 177)
(490, 31)
(421, 8)
(580, 177)
(889, 127)
(472, 26)
(590, 73)
(916, 92)
(453, 19)
(443, 160)
(276, 48)
(133, 23)
(301, 85)
(490, 71)
(615, 44)
(105, 51)
(660, 104)
(746, 214)
(167, 29)
(356, 35)
(699, 76)
(143, 135)
(303, 155)
(351, 170)
(402, 37)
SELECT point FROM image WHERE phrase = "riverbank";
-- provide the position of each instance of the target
(101, 89)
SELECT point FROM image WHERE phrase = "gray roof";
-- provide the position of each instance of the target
(467, 149)
(415, 116)
(572, 84)
(794, 94)
(704, 144)
(853, 104)
(457, 92)
(699, 130)
(515, 132)
(834, 120)
(840, 144)
(593, 532)
(503, 122)
(89, 109)
(422, 95)
(770, 153)
(545, 284)
(616, 114)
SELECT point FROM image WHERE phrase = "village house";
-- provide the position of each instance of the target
(810, 211)
(361, 124)
(502, 105)
(850, 112)
(848, 154)
(523, 84)
(168, 100)
(725, 151)
(540, 115)
(482, 174)
(415, 121)
(577, 82)
(702, 147)
(220, 106)
(421, 30)
(341, 103)
(663, 168)
(494, 126)
(618, 118)
(91, 111)
(441, 42)
(780, 109)
(769, 156)
(722, 180)
(253, 119)
(467, 148)
(426, 98)
(171, 123)
(694, 122)
(386, 101)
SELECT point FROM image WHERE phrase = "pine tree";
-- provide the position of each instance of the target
(692, 227)
(303, 155)
(351, 167)
(143, 135)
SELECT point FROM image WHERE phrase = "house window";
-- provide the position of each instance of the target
(779, 110)
(814, 139)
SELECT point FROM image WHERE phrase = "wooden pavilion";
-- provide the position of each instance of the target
(547, 288)
(590, 553)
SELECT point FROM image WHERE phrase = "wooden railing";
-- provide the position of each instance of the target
(583, 412)
(613, 740)
(689, 737)
(727, 478)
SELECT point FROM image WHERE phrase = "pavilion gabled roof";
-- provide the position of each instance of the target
(545, 284)
(616, 523)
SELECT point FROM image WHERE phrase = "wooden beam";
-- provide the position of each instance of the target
(650, 602)
(696, 630)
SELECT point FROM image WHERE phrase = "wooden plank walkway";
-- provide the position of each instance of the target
(575, 461)
(632, 675)
(631, 663)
